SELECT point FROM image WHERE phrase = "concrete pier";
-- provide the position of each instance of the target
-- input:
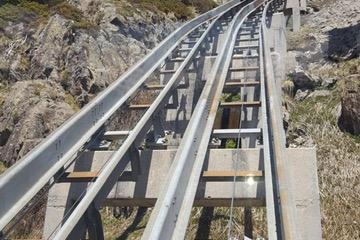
(143, 190)
(294, 7)
(279, 45)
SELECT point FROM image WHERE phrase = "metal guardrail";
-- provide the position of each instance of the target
(269, 175)
(277, 138)
(26, 178)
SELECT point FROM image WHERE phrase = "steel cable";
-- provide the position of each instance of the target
(238, 157)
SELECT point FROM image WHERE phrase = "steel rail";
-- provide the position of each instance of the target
(25, 179)
(172, 211)
(269, 176)
(237, 160)
(118, 161)
(277, 140)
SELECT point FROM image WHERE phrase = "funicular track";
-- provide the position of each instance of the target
(208, 82)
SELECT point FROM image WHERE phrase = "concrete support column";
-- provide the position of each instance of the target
(294, 5)
(278, 34)
(278, 27)
(303, 5)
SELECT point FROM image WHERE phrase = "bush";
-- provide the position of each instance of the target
(39, 9)
(180, 10)
(84, 24)
(22, 10)
(69, 11)
(2, 167)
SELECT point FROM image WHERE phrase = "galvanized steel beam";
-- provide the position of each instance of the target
(277, 138)
(172, 211)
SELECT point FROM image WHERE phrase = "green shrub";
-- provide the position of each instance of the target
(10, 12)
(15, 10)
(230, 97)
(39, 9)
(231, 143)
(70, 12)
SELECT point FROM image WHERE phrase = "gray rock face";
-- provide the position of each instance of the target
(31, 110)
(53, 69)
(85, 62)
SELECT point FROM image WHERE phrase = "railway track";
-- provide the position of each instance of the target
(208, 84)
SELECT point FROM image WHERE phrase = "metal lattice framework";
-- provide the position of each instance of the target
(229, 37)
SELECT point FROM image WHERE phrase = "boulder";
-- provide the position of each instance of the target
(303, 80)
(329, 83)
(30, 111)
(349, 120)
(59, 65)
(319, 93)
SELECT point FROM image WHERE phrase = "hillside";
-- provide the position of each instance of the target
(323, 108)
(57, 55)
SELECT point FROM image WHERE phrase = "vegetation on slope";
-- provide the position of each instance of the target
(338, 155)
(40, 10)
(205, 223)
(180, 9)
(35, 11)
(2, 167)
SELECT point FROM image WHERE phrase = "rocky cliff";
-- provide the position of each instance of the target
(56, 57)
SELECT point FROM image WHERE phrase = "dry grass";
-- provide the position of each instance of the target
(37, 12)
(301, 39)
(181, 10)
(338, 165)
(205, 223)
(124, 228)
(69, 99)
(2, 167)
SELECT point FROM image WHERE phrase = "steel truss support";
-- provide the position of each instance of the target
(172, 211)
